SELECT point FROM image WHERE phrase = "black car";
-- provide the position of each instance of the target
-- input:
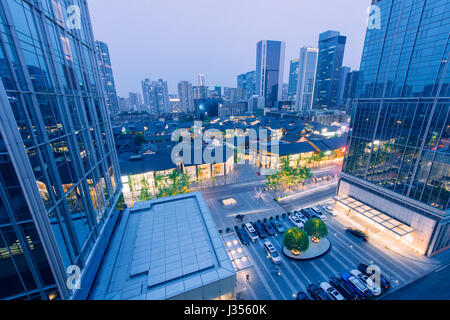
(384, 283)
(268, 227)
(260, 230)
(243, 236)
(344, 288)
(302, 296)
(358, 233)
(308, 213)
(317, 293)
(278, 226)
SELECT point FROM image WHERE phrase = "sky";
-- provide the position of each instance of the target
(178, 39)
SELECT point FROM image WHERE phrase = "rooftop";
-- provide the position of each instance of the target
(161, 249)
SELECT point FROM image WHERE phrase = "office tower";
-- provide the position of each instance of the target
(156, 96)
(255, 103)
(185, 94)
(201, 80)
(218, 92)
(123, 104)
(398, 159)
(59, 174)
(331, 55)
(293, 79)
(269, 70)
(200, 92)
(134, 101)
(107, 77)
(250, 83)
(230, 95)
(350, 91)
(242, 87)
(342, 81)
(307, 67)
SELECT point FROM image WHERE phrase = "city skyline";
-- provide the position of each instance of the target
(179, 53)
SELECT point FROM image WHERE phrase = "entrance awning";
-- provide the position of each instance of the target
(380, 218)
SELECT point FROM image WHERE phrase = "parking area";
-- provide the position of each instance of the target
(265, 280)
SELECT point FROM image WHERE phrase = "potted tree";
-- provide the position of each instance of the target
(296, 241)
(316, 229)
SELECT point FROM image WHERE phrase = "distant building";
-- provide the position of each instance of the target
(242, 87)
(269, 70)
(186, 96)
(230, 95)
(206, 108)
(284, 94)
(156, 96)
(306, 78)
(255, 103)
(342, 82)
(349, 91)
(232, 109)
(107, 76)
(135, 101)
(201, 80)
(200, 92)
(293, 80)
(331, 55)
(250, 83)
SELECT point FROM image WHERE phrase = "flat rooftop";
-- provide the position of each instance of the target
(163, 248)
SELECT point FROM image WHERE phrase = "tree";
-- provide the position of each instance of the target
(139, 139)
(316, 229)
(296, 240)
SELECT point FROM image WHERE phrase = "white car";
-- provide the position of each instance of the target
(376, 290)
(301, 217)
(331, 291)
(251, 232)
(296, 221)
(328, 208)
(272, 252)
(319, 213)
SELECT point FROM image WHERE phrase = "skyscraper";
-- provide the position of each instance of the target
(306, 78)
(342, 81)
(293, 79)
(59, 174)
(156, 96)
(242, 87)
(250, 83)
(398, 159)
(350, 90)
(107, 77)
(185, 94)
(331, 55)
(269, 70)
(201, 80)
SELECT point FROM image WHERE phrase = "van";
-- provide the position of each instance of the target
(272, 252)
(251, 232)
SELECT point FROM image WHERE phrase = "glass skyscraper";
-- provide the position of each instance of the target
(107, 77)
(250, 83)
(399, 158)
(59, 175)
(269, 70)
(306, 78)
(293, 78)
(331, 55)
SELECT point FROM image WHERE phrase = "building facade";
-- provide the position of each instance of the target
(398, 160)
(269, 70)
(250, 83)
(107, 77)
(293, 80)
(185, 94)
(331, 55)
(59, 174)
(306, 78)
(156, 96)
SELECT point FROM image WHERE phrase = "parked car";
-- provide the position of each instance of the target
(302, 296)
(317, 292)
(330, 210)
(308, 213)
(319, 213)
(357, 285)
(260, 230)
(302, 217)
(268, 228)
(243, 236)
(296, 221)
(344, 288)
(251, 232)
(370, 284)
(385, 283)
(278, 226)
(272, 252)
(332, 292)
(358, 233)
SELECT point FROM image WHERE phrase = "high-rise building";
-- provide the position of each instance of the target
(398, 162)
(185, 94)
(331, 55)
(250, 83)
(107, 77)
(201, 80)
(342, 81)
(135, 101)
(59, 174)
(242, 87)
(156, 96)
(230, 95)
(350, 91)
(269, 70)
(293, 79)
(307, 67)
(255, 104)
